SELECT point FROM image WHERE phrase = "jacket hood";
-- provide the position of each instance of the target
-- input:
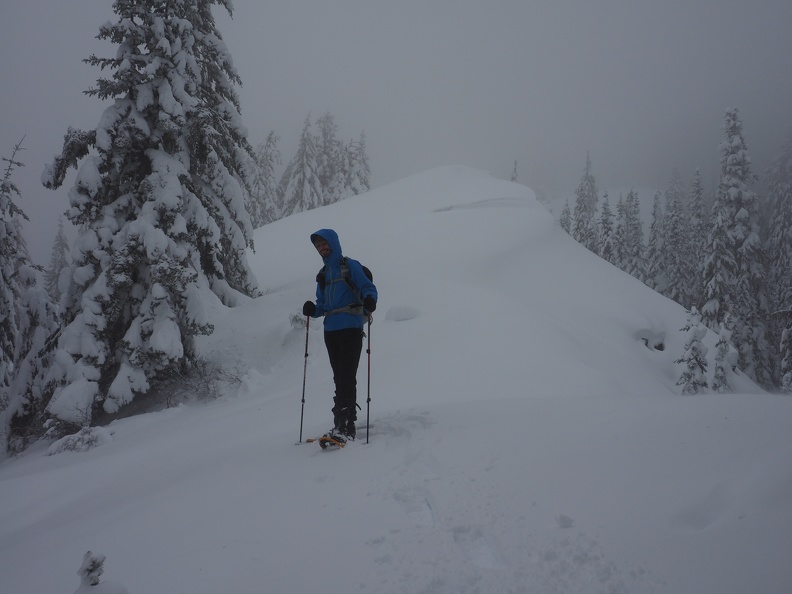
(331, 237)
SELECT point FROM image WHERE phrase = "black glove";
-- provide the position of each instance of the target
(369, 303)
(309, 309)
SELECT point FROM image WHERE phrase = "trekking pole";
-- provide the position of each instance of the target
(305, 374)
(368, 387)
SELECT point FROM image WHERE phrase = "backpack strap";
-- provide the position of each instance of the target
(353, 308)
(321, 278)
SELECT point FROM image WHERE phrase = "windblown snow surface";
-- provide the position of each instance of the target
(526, 433)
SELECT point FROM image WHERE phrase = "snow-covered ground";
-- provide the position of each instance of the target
(526, 433)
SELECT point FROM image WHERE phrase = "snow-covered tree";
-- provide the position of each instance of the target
(514, 176)
(694, 360)
(565, 220)
(607, 243)
(725, 360)
(11, 247)
(674, 242)
(719, 270)
(729, 218)
(734, 269)
(302, 188)
(331, 160)
(779, 252)
(785, 366)
(696, 238)
(58, 265)
(358, 171)
(584, 228)
(263, 202)
(655, 248)
(779, 245)
(629, 236)
(28, 320)
(160, 203)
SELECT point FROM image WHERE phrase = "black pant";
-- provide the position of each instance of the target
(344, 348)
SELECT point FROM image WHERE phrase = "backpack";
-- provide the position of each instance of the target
(345, 276)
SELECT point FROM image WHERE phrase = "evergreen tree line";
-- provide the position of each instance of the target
(323, 170)
(165, 199)
(727, 260)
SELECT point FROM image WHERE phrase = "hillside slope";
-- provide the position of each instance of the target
(526, 433)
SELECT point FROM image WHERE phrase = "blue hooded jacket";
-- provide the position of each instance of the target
(337, 294)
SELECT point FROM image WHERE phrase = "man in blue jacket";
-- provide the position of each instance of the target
(346, 297)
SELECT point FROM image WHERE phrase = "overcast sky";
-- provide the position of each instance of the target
(641, 85)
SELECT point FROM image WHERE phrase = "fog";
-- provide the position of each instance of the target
(641, 86)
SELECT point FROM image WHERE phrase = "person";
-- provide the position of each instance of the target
(346, 304)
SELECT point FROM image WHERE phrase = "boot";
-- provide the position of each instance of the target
(344, 424)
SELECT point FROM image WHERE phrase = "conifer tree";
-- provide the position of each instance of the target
(674, 242)
(607, 245)
(27, 321)
(514, 173)
(785, 365)
(303, 188)
(694, 360)
(696, 238)
(263, 203)
(780, 241)
(11, 247)
(721, 264)
(779, 248)
(725, 360)
(59, 264)
(735, 268)
(656, 277)
(160, 203)
(10, 243)
(619, 233)
(584, 228)
(566, 218)
(358, 171)
(719, 269)
(331, 160)
(629, 236)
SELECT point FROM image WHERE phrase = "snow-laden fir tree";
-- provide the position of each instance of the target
(721, 265)
(514, 176)
(675, 234)
(779, 245)
(696, 238)
(565, 220)
(606, 237)
(725, 360)
(584, 228)
(358, 171)
(263, 202)
(58, 269)
(655, 248)
(694, 359)
(779, 250)
(719, 270)
(160, 204)
(11, 246)
(735, 269)
(331, 160)
(629, 236)
(302, 186)
(28, 320)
